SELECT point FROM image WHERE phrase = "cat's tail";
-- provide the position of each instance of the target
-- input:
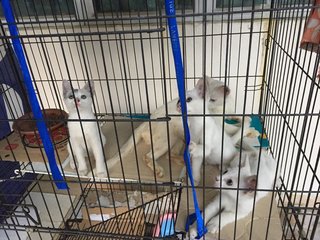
(129, 145)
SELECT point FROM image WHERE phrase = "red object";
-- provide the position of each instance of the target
(11, 146)
(55, 121)
(54, 118)
(311, 36)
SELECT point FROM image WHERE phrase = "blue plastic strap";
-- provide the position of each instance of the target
(36, 110)
(175, 44)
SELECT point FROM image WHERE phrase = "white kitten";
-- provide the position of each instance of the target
(84, 135)
(225, 209)
(159, 131)
(205, 135)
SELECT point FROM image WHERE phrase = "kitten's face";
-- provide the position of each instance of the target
(194, 98)
(78, 98)
(229, 179)
(208, 89)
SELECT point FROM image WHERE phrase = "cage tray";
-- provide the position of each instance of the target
(130, 167)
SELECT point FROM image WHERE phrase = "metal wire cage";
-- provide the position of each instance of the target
(261, 50)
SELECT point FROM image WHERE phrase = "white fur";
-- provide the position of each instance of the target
(85, 136)
(159, 135)
(225, 209)
(206, 135)
(160, 139)
(219, 94)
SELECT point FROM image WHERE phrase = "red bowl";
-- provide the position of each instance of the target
(55, 120)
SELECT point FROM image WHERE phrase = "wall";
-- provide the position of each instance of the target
(112, 60)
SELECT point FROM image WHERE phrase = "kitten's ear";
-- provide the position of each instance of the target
(89, 87)
(200, 87)
(66, 87)
(223, 90)
(251, 183)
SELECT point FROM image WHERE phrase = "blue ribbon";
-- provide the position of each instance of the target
(36, 110)
(175, 44)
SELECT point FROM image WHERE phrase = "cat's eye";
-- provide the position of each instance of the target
(83, 96)
(71, 97)
(189, 99)
(229, 182)
(225, 171)
(212, 100)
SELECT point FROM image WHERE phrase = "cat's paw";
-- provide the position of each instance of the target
(193, 233)
(154, 166)
(83, 171)
(71, 162)
(72, 165)
(159, 171)
(192, 147)
(196, 180)
(102, 174)
(212, 227)
(252, 133)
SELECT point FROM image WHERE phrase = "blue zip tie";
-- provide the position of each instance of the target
(36, 110)
(175, 44)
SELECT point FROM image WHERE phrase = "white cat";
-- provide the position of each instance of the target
(216, 91)
(161, 145)
(85, 136)
(224, 204)
(205, 133)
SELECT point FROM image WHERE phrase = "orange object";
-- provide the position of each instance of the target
(311, 36)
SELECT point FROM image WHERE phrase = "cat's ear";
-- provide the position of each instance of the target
(200, 87)
(251, 183)
(66, 87)
(89, 87)
(223, 90)
(217, 89)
